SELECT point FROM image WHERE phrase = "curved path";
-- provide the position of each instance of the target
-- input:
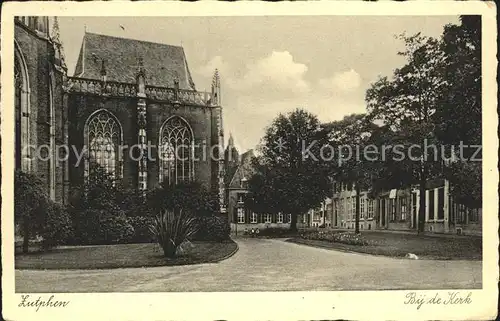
(265, 265)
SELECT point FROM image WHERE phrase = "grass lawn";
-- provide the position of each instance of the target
(398, 245)
(121, 256)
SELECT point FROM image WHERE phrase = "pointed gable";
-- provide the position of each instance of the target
(244, 170)
(162, 63)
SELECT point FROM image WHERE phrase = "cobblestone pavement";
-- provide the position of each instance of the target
(265, 265)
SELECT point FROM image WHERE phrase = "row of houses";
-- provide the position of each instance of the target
(396, 209)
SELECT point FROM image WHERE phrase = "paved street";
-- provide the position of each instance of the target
(266, 265)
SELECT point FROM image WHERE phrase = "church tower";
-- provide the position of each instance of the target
(232, 159)
(231, 153)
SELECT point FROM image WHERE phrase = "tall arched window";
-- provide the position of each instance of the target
(104, 136)
(22, 110)
(176, 151)
(52, 138)
(18, 82)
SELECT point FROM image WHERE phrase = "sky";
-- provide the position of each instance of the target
(272, 64)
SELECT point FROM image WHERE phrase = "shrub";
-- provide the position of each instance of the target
(97, 212)
(336, 237)
(57, 226)
(116, 229)
(85, 225)
(171, 229)
(133, 202)
(142, 232)
(191, 197)
(212, 228)
(102, 226)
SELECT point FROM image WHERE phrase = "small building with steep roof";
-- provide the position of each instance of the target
(243, 219)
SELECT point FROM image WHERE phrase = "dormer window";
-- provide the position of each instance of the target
(244, 182)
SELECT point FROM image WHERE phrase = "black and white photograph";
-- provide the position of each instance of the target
(251, 153)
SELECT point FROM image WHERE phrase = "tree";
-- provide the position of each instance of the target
(458, 116)
(388, 169)
(37, 215)
(407, 101)
(30, 204)
(465, 182)
(350, 136)
(290, 174)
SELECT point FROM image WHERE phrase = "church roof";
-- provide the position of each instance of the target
(247, 156)
(162, 63)
(244, 170)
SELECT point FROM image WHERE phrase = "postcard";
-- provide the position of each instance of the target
(249, 160)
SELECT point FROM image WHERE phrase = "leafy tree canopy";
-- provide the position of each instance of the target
(290, 174)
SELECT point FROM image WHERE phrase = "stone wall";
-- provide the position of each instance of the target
(46, 108)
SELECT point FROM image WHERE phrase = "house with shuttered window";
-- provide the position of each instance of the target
(397, 209)
(240, 217)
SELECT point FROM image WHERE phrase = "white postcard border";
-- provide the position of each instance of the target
(359, 305)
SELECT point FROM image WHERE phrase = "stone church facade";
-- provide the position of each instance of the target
(40, 119)
(131, 108)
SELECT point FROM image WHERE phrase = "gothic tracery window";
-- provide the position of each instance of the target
(103, 139)
(176, 151)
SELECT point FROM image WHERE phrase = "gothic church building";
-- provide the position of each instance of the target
(131, 108)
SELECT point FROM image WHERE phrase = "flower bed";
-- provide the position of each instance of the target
(275, 232)
(433, 247)
(336, 237)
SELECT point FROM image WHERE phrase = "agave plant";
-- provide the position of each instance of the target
(172, 228)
